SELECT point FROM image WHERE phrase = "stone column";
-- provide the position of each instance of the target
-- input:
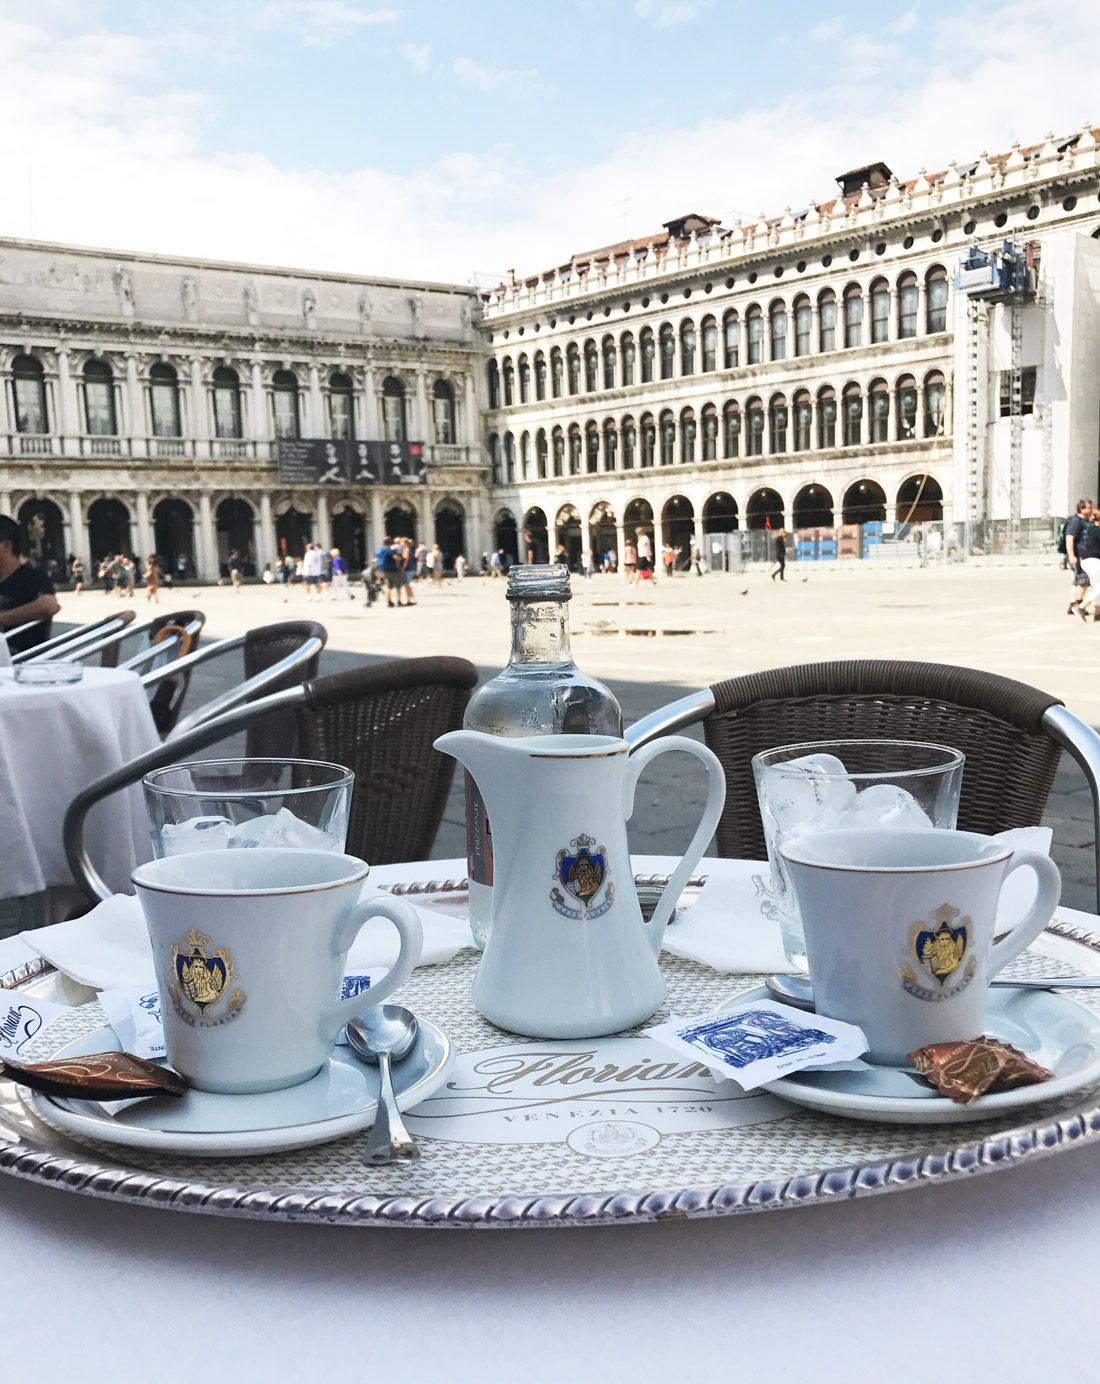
(67, 422)
(471, 420)
(919, 428)
(78, 533)
(315, 412)
(144, 533)
(267, 543)
(586, 543)
(322, 532)
(421, 415)
(198, 423)
(892, 319)
(207, 555)
(375, 534)
(620, 534)
(372, 429)
(427, 518)
(135, 406)
(258, 421)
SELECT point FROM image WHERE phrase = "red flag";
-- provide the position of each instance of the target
(767, 521)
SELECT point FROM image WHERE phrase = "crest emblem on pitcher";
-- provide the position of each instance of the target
(582, 872)
(200, 976)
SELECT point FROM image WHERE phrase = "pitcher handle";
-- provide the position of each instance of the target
(712, 812)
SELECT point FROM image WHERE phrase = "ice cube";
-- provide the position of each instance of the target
(304, 836)
(887, 805)
(257, 831)
(195, 834)
(814, 795)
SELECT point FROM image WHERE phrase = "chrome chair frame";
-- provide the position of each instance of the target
(80, 634)
(111, 641)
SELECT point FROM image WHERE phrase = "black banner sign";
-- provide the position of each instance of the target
(320, 461)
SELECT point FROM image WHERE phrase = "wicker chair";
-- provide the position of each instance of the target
(379, 720)
(1011, 734)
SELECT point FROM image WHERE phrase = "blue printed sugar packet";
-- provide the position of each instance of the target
(758, 1041)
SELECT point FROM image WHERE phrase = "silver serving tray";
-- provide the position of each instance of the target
(797, 1158)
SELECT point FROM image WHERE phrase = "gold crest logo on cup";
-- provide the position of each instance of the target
(939, 946)
(204, 973)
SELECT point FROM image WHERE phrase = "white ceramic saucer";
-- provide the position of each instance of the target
(1061, 1035)
(339, 1100)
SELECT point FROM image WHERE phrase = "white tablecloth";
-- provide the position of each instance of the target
(992, 1279)
(54, 741)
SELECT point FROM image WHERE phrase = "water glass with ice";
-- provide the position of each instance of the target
(237, 804)
(825, 785)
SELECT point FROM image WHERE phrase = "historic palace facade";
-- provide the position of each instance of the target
(909, 351)
(823, 368)
(143, 400)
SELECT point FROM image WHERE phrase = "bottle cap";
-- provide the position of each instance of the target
(538, 581)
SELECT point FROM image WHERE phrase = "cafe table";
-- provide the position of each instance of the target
(987, 1278)
(54, 741)
(5, 652)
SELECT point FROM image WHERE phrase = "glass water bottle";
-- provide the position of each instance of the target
(541, 692)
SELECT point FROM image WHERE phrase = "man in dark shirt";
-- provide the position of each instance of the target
(1075, 531)
(780, 568)
(26, 593)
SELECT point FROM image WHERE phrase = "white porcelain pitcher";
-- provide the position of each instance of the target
(569, 955)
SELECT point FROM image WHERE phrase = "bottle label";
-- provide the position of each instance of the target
(479, 840)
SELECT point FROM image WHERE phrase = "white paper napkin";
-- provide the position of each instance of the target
(728, 927)
(108, 949)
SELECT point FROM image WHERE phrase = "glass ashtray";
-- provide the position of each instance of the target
(48, 674)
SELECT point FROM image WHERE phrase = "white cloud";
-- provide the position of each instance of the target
(665, 14)
(519, 80)
(320, 22)
(119, 152)
(415, 54)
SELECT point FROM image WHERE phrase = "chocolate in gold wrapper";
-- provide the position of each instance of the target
(970, 1068)
(99, 1076)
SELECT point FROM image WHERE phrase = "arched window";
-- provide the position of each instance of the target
(803, 421)
(509, 457)
(540, 376)
(443, 412)
(284, 403)
(164, 401)
(731, 338)
(668, 352)
(935, 289)
(826, 320)
(908, 301)
(777, 324)
(609, 362)
(227, 402)
(591, 367)
(731, 429)
(493, 372)
(573, 367)
(610, 445)
(394, 420)
(803, 326)
(525, 456)
(687, 436)
(628, 359)
(852, 402)
(853, 315)
(630, 443)
(906, 408)
(710, 344)
(649, 440)
(668, 438)
(687, 348)
(524, 380)
(574, 450)
(29, 382)
(559, 452)
(591, 449)
(99, 399)
(649, 350)
(880, 311)
(935, 403)
(341, 407)
(879, 396)
(541, 457)
(754, 319)
(509, 373)
(556, 372)
(494, 458)
(777, 421)
(826, 417)
(710, 433)
(754, 417)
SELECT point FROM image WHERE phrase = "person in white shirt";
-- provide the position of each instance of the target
(313, 569)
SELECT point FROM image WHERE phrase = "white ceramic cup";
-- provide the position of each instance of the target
(899, 929)
(250, 948)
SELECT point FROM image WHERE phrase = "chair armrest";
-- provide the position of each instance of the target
(666, 720)
(245, 691)
(188, 661)
(1083, 744)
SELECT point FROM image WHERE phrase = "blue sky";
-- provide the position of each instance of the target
(446, 140)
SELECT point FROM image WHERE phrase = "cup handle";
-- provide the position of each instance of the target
(1032, 923)
(412, 940)
(712, 812)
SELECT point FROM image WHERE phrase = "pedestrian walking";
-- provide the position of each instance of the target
(76, 573)
(1074, 532)
(780, 550)
(235, 566)
(339, 575)
(460, 567)
(1088, 553)
(152, 579)
(630, 562)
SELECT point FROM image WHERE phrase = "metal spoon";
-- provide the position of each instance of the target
(386, 1032)
(798, 993)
